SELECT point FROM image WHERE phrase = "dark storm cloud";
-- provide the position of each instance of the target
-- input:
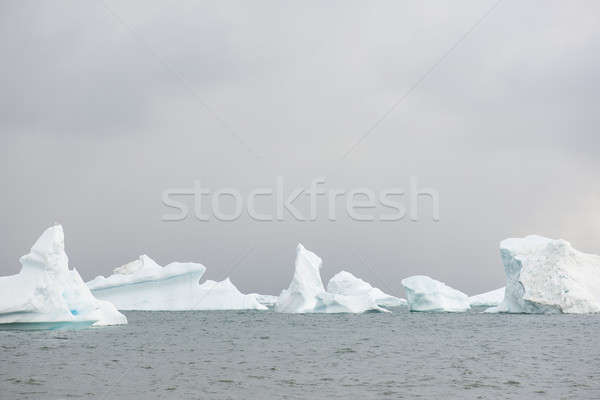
(104, 105)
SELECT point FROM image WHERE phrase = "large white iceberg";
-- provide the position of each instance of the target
(346, 284)
(46, 291)
(488, 299)
(548, 276)
(306, 293)
(145, 285)
(426, 294)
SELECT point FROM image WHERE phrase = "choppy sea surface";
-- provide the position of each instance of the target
(265, 355)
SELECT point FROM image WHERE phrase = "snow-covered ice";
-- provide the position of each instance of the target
(306, 293)
(336, 303)
(306, 284)
(225, 296)
(548, 276)
(145, 285)
(488, 299)
(47, 291)
(346, 284)
(426, 294)
(265, 299)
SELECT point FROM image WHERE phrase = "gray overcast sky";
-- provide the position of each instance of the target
(103, 106)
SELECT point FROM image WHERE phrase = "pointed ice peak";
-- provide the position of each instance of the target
(51, 241)
(313, 259)
(48, 252)
(228, 282)
(307, 269)
(148, 261)
(142, 263)
(129, 268)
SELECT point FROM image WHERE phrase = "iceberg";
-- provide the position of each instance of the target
(306, 285)
(144, 285)
(346, 284)
(548, 276)
(224, 295)
(265, 299)
(306, 293)
(426, 294)
(487, 299)
(46, 292)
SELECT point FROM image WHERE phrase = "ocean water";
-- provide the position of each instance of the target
(265, 355)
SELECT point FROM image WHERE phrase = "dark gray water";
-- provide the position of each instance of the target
(264, 355)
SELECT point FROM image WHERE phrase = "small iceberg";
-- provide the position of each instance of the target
(306, 293)
(488, 299)
(46, 294)
(144, 285)
(548, 276)
(426, 294)
(346, 284)
(224, 295)
(265, 299)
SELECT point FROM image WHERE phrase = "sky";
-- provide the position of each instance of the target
(105, 105)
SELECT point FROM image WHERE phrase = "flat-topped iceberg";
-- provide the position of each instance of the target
(488, 299)
(548, 276)
(346, 284)
(47, 292)
(306, 293)
(426, 294)
(144, 285)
